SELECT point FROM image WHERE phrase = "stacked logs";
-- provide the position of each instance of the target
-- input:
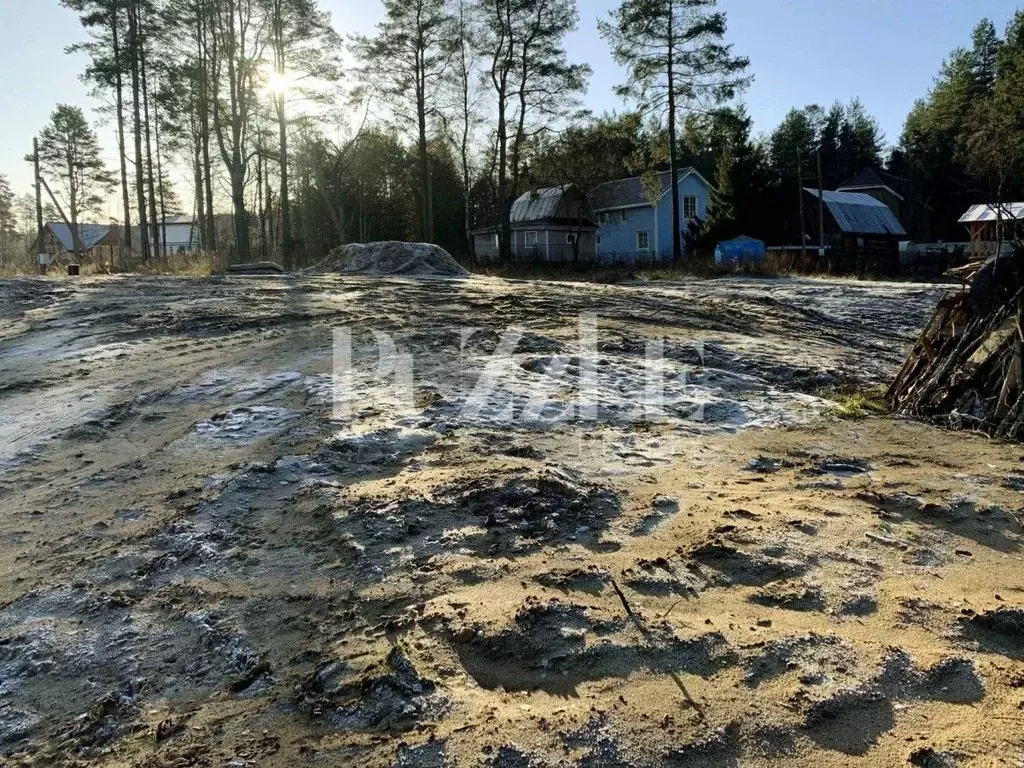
(965, 371)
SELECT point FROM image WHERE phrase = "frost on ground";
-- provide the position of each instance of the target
(216, 550)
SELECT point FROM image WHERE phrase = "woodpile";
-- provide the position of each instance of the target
(965, 371)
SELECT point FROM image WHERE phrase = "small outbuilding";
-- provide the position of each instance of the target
(990, 224)
(741, 250)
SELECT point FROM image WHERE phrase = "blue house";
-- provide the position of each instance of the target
(633, 227)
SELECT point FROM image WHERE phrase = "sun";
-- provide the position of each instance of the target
(279, 83)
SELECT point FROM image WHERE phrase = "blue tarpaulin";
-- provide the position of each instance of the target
(742, 250)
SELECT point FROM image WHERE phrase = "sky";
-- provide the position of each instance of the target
(886, 52)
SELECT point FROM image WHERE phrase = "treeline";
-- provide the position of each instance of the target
(964, 143)
(453, 108)
(443, 114)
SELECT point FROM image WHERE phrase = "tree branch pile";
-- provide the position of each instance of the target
(965, 371)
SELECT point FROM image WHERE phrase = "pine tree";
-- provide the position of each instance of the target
(860, 141)
(676, 58)
(70, 153)
(303, 45)
(8, 226)
(238, 42)
(535, 85)
(405, 63)
(107, 23)
(984, 55)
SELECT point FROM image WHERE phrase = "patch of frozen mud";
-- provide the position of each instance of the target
(384, 447)
(236, 384)
(246, 424)
(17, 461)
(235, 534)
(510, 514)
(81, 660)
(30, 419)
(529, 392)
(388, 694)
(505, 385)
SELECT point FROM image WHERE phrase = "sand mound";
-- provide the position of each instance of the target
(391, 258)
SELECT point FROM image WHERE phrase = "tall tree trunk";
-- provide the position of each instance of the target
(286, 213)
(261, 162)
(39, 194)
(122, 150)
(154, 221)
(504, 224)
(673, 149)
(467, 220)
(232, 148)
(500, 80)
(160, 177)
(73, 205)
(209, 229)
(197, 169)
(467, 117)
(821, 209)
(420, 71)
(140, 180)
(424, 156)
(280, 54)
(803, 217)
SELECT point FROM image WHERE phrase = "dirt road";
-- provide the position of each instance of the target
(216, 549)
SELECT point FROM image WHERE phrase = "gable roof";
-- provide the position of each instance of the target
(559, 206)
(629, 193)
(861, 214)
(977, 213)
(873, 178)
(90, 234)
(538, 204)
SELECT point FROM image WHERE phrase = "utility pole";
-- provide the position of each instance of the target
(821, 208)
(39, 191)
(803, 223)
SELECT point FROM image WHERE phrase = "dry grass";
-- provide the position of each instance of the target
(185, 265)
(854, 402)
(201, 264)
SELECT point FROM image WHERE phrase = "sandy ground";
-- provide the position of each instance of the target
(198, 566)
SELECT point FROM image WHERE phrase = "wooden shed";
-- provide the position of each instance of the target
(991, 224)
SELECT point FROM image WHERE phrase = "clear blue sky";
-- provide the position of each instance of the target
(886, 52)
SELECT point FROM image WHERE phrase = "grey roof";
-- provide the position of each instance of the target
(90, 234)
(630, 192)
(1014, 211)
(872, 178)
(538, 205)
(859, 213)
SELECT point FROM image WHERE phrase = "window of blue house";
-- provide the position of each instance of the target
(622, 214)
(531, 240)
(689, 207)
(643, 240)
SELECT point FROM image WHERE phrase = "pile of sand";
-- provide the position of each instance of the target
(391, 258)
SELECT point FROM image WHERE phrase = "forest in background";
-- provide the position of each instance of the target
(283, 138)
